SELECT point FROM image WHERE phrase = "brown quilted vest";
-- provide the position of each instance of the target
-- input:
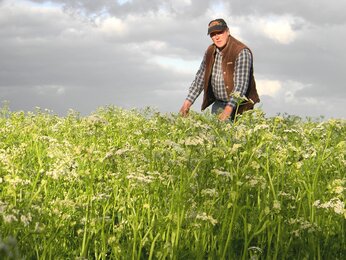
(229, 56)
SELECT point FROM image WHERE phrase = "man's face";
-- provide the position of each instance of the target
(219, 38)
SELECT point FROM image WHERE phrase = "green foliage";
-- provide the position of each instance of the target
(141, 185)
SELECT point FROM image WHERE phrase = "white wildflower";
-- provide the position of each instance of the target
(317, 203)
(260, 127)
(302, 225)
(210, 192)
(339, 207)
(255, 165)
(207, 218)
(100, 197)
(140, 177)
(299, 165)
(15, 181)
(39, 227)
(9, 218)
(296, 233)
(286, 195)
(337, 186)
(290, 131)
(194, 141)
(276, 205)
(334, 204)
(235, 148)
(309, 153)
(196, 225)
(338, 190)
(253, 182)
(256, 181)
(96, 119)
(3, 207)
(239, 97)
(111, 240)
(26, 219)
(221, 173)
(236, 94)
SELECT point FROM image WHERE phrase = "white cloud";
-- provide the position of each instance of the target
(177, 5)
(148, 47)
(111, 26)
(290, 89)
(217, 10)
(50, 90)
(278, 28)
(268, 87)
(122, 2)
(177, 64)
(73, 33)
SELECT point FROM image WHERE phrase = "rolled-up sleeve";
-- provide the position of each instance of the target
(198, 83)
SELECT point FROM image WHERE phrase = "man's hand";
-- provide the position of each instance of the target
(226, 113)
(185, 108)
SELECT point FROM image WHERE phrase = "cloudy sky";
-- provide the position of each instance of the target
(81, 55)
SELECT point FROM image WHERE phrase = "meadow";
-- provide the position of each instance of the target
(137, 184)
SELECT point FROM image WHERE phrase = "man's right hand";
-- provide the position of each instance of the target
(185, 108)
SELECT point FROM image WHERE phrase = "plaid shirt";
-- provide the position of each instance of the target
(241, 78)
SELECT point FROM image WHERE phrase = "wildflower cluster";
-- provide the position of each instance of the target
(138, 184)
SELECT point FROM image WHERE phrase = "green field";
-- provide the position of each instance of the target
(130, 184)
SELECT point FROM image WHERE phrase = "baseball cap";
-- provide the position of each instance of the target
(217, 25)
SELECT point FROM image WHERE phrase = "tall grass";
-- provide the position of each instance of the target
(122, 184)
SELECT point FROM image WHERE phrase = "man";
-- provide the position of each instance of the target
(225, 72)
